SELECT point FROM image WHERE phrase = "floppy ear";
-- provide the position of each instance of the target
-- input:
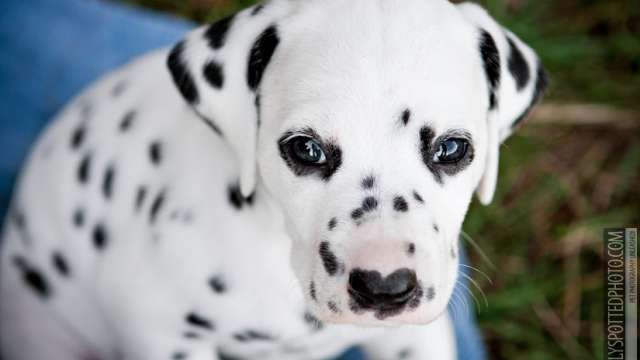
(218, 68)
(516, 81)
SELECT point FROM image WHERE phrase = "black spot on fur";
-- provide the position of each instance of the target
(418, 197)
(190, 335)
(518, 66)
(257, 9)
(313, 322)
(84, 169)
(312, 291)
(252, 335)
(155, 152)
(217, 285)
(60, 264)
(212, 72)
(118, 88)
(78, 218)
(332, 224)
(107, 182)
(369, 204)
(329, 259)
(400, 204)
(181, 75)
(333, 307)
(77, 137)
(368, 182)
(426, 139)
(357, 214)
(222, 355)
(141, 194)
(156, 206)
(179, 355)
(453, 252)
(33, 278)
(404, 354)
(491, 60)
(405, 117)
(411, 248)
(99, 237)
(235, 197)
(198, 321)
(216, 34)
(260, 55)
(127, 120)
(431, 293)
(436, 228)
(542, 81)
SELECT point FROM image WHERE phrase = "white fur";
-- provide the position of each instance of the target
(347, 69)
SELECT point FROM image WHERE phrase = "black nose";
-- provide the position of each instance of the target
(370, 290)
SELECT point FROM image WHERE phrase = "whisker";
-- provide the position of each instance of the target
(478, 249)
(486, 302)
(479, 271)
(475, 299)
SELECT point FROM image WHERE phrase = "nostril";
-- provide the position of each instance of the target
(370, 289)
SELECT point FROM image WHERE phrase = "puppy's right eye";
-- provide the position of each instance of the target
(306, 150)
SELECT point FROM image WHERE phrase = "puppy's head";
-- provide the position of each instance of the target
(372, 123)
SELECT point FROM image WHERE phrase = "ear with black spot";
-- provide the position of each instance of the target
(516, 81)
(217, 69)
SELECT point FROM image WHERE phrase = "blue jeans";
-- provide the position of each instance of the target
(51, 49)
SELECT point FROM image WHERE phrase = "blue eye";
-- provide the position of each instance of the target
(451, 151)
(307, 151)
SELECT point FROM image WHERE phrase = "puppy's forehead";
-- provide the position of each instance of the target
(363, 56)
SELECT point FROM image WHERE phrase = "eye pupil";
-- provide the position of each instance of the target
(307, 150)
(451, 151)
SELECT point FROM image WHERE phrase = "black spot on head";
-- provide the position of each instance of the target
(518, 66)
(431, 293)
(77, 137)
(156, 206)
(257, 9)
(405, 117)
(411, 248)
(84, 169)
(418, 197)
(99, 236)
(252, 335)
(333, 307)
(312, 291)
(222, 355)
(329, 259)
(33, 278)
(260, 55)
(78, 217)
(141, 194)
(60, 264)
(216, 34)
(235, 196)
(357, 214)
(542, 81)
(198, 321)
(400, 204)
(155, 152)
(190, 335)
(217, 285)
(436, 228)
(332, 223)
(369, 204)
(426, 138)
(212, 72)
(313, 322)
(181, 75)
(179, 355)
(127, 120)
(404, 354)
(453, 252)
(368, 182)
(107, 182)
(491, 60)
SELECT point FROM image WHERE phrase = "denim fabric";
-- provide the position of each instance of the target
(51, 49)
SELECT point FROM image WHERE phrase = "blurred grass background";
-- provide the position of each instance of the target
(561, 183)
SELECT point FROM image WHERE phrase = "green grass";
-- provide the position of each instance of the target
(559, 186)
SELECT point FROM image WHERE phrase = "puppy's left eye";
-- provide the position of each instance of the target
(307, 151)
(451, 151)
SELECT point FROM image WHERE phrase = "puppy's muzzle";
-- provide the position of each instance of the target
(371, 291)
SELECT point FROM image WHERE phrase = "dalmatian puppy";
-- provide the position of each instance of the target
(283, 184)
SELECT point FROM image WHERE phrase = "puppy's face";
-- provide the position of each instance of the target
(373, 140)
(372, 123)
